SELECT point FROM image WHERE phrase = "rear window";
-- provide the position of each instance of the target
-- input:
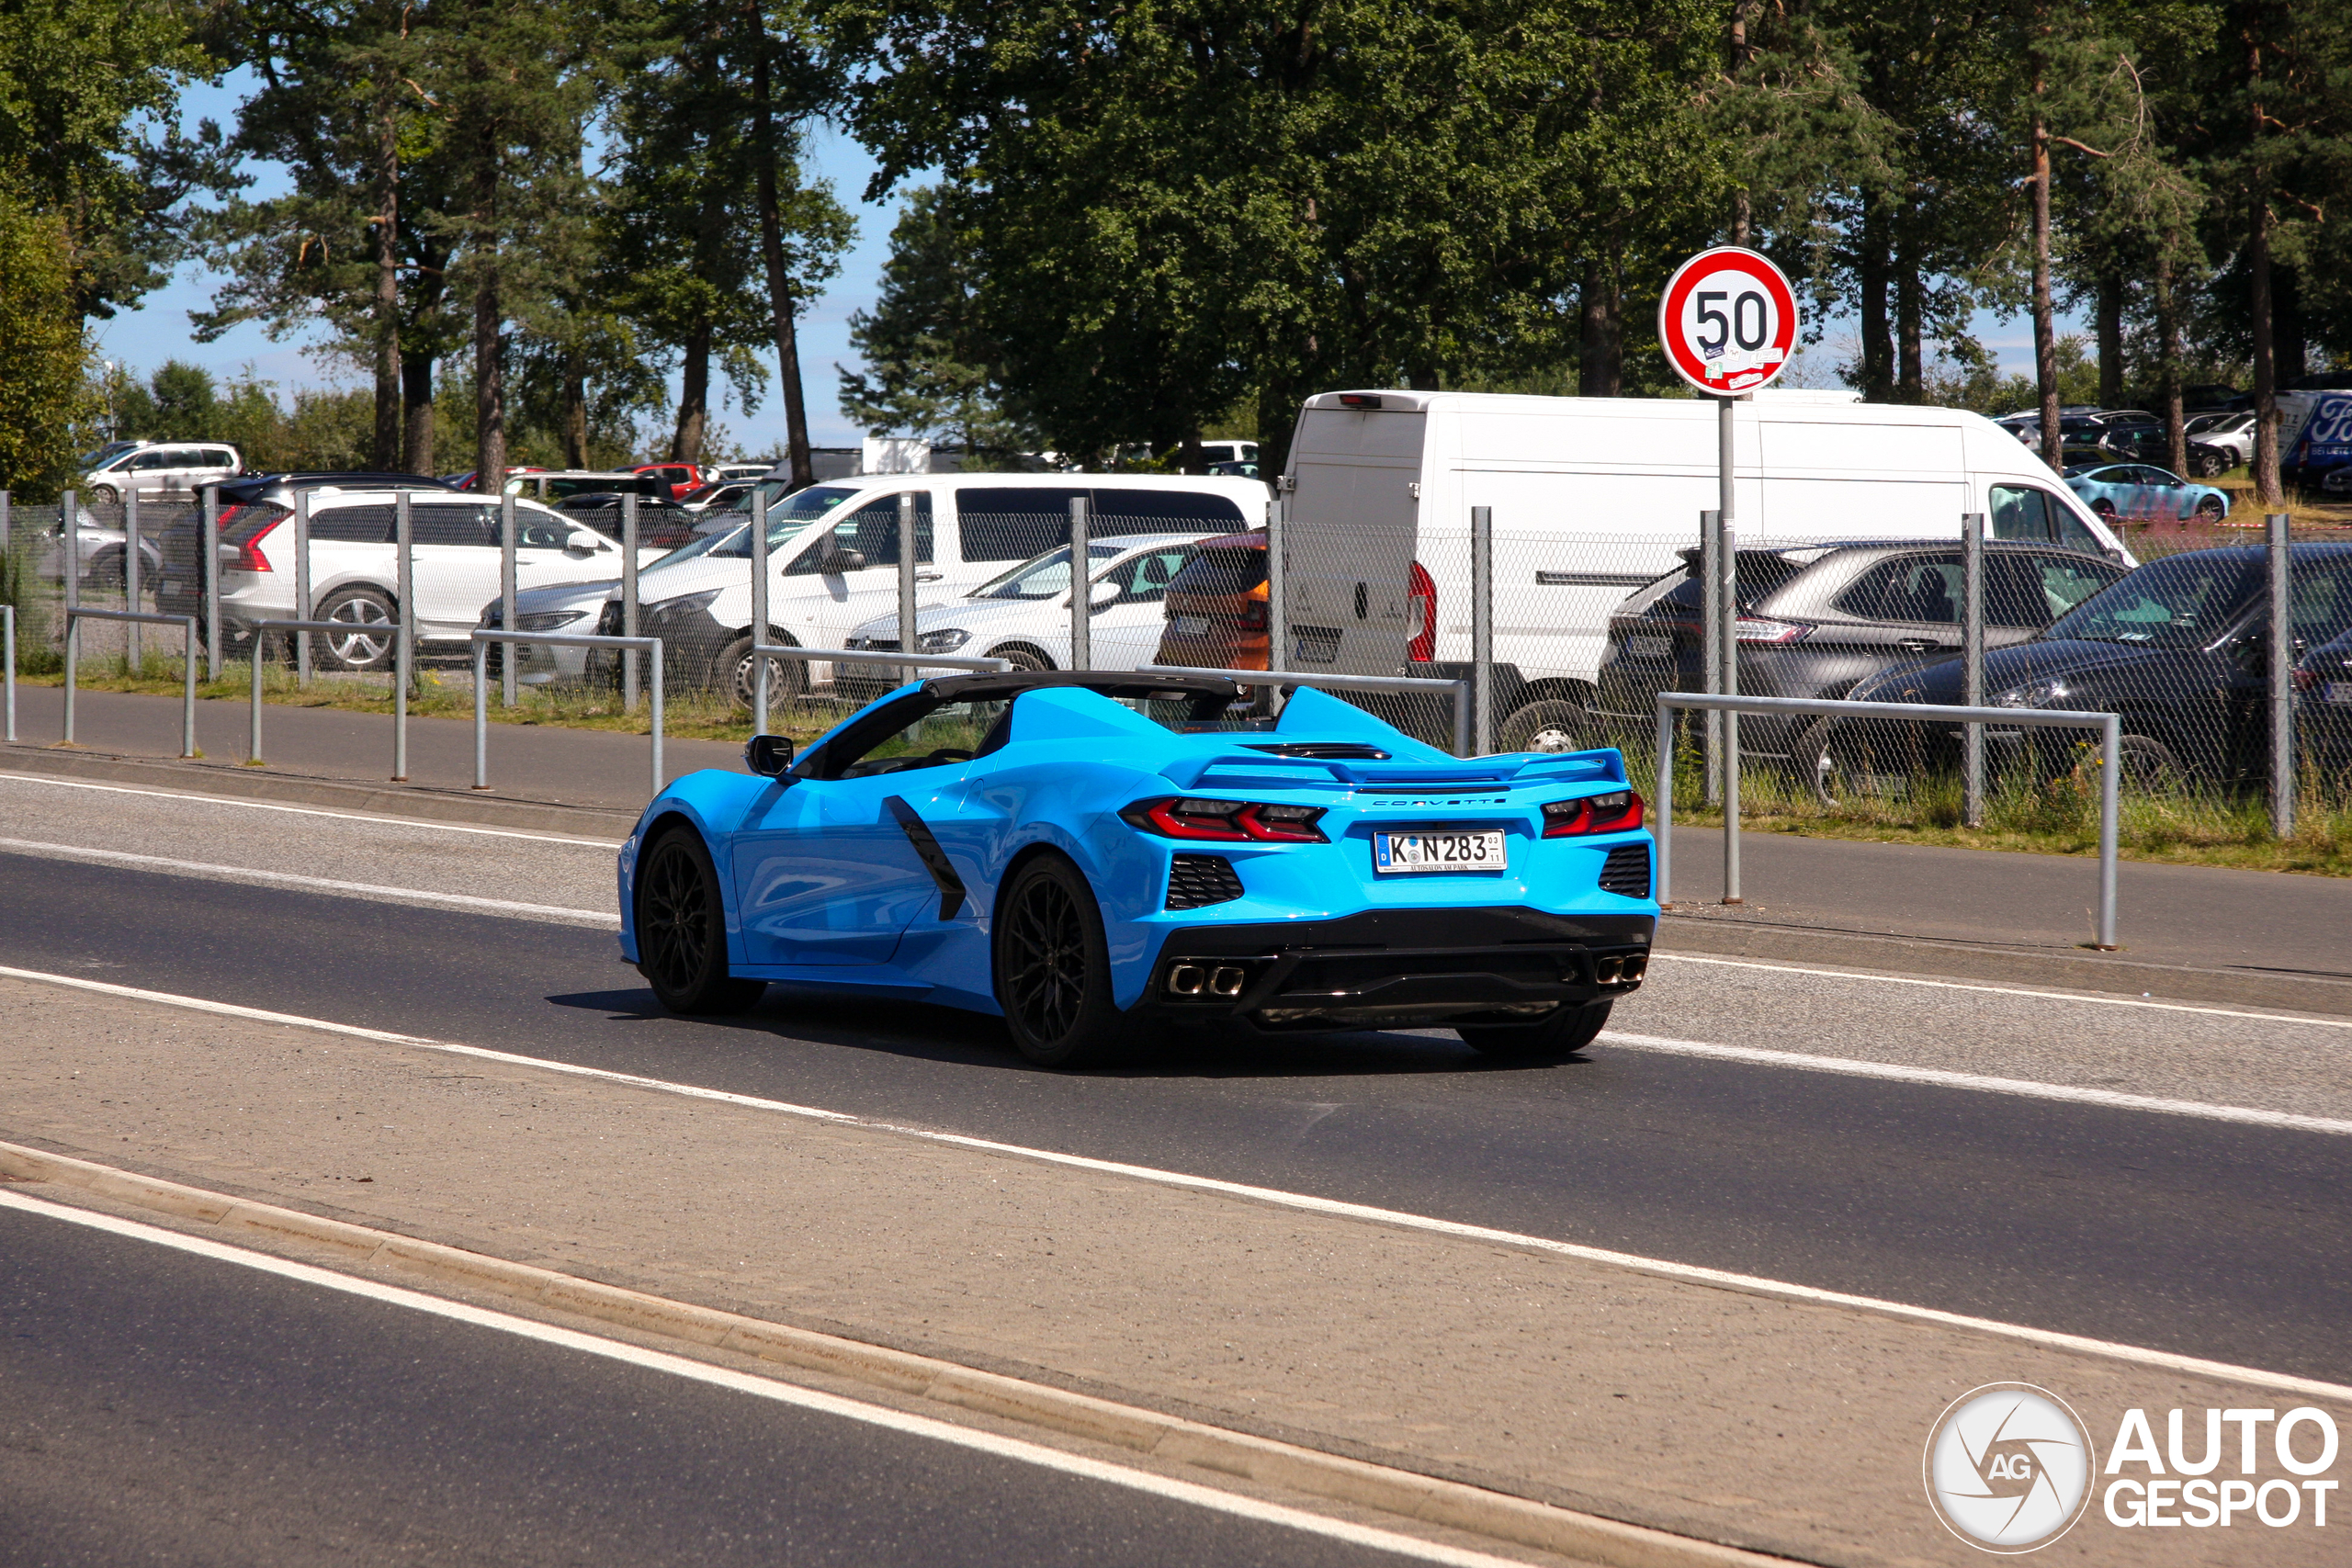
(1228, 568)
(1755, 573)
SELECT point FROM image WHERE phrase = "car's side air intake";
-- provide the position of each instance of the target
(1626, 872)
(1196, 881)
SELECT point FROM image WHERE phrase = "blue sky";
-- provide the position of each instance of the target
(159, 330)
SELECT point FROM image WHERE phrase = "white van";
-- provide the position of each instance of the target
(1592, 498)
(833, 561)
(158, 470)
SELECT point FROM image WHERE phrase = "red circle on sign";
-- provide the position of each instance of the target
(1724, 362)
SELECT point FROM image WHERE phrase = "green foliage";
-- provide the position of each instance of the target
(48, 406)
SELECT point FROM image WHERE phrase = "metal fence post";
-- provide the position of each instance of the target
(1971, 665)
(73, 654)
(133, 644)
(481, 711)
(69, 538)
(404, 627)
(1081, 590)
(252, 717)
(303, 585)
(4, 522)
(906, 581)
(2110, 741)
(208, 567)
(1711, 652)
(8, 652)
(656, 652)
(187, 690)
(1728, 596)
(1482, 629)
(1278, 586)
(1662, 807)
(629, 601)
(2282, 679)
(759, 613)
(506, 655)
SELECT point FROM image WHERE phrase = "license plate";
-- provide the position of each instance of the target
(1438, 851)
(169, 588)
(2337, 692)
(1191, 625)
(1648, 646)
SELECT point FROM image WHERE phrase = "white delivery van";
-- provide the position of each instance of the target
(1592, 498)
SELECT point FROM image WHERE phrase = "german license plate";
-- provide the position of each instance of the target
(1438, 851)
(2337, 692)
(1191, 625)
(1648, 646)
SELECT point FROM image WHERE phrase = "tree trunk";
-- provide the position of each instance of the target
(2267, 489)
(2290, 339)
(2045, 334)
(416, 412)
(2168, 369)
(490, 360)
(780, 301)
(1742, 214)
(693, 396)
(2108, 310)
(1600, 368)
(1878, 347)
(575, 408)
(386, 452)
(1189, 459)
(1911, 369)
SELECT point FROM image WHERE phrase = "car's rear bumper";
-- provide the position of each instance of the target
(1396, 968)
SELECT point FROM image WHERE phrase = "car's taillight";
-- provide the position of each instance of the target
(1757, 629)
(1227, 821)
(1420, 598)
(1614, 813)
(249, 555)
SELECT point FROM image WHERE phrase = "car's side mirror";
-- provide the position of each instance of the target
(842, 561)
(768, 755)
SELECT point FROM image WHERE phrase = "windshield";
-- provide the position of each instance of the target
(2183, 602)
(787, 516)
(700, 545)
(1041, 577)
(107, 453)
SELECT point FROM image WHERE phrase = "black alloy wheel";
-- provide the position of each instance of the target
(2209, 508)
(681, 929)
(1053, 966)
(1572, 1028)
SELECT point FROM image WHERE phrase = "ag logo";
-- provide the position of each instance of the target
(2008, 1468)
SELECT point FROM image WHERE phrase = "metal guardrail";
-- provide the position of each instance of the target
(483, 636)
(1460, 690)
(75, 615)
(761, 652)
(2109, 726)
(262, 629)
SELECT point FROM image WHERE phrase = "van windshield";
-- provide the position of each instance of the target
(786, 516)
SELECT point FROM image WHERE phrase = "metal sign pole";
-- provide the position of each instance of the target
(303, 585)
(1482, 629)
(761, 633)
(2282, 679)
(907, 579)
(1082, 589)
(1729, 596)
(208, 546)
(69, 536)
(403, 628)
(1971, 655)
(507, 544)
(1711, 649)
(628, 600)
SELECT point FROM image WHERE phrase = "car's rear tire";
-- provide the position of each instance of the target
(735, 675)
(1829, 760)
(2105, 509)
(681, 929)
(1552, 726)
(105, 495)
(375, 631)
(1570, 1029)
(1052, 967)
(2210, 509)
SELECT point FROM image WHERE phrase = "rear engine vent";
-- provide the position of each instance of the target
(1626, 872)
(1195, 881)
(1324, 750)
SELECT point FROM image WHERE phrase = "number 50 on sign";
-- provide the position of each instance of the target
(1728, 321)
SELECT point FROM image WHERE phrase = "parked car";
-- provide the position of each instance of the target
(2179, 649)
(660, 524)
(2323, 697)
(2233, 432)
(556, 485)
(161, 471)
(718, 496)
(588, 605)
(733, 472)
(1011, 844)
(1237, 469)
(354, 574)
(100, 551)
(1024, 616)
(834, 554)
(676, 478)
(2152, 445)
(1813, 622)
(2139, 492)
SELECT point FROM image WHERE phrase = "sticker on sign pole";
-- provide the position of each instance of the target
(1728, 321)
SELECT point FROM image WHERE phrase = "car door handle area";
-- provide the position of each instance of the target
(931, 577)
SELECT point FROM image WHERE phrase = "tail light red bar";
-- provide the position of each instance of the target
(1618, 812)
(1226, 821)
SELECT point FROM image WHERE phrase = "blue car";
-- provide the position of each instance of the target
(1083, 854)
(2137, 493)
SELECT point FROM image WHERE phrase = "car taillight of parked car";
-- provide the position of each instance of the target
(1618, 812)
(1226, 821)
(1421, 598)
(1757, 629)
(244, 527)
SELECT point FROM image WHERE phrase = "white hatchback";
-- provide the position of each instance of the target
(355, 577)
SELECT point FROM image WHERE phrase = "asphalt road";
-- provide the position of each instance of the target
(2202, 1236)
(165, 1409)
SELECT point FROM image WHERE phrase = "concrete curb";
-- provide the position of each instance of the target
(1451, 1504)
(1968, 961)
(412, 801)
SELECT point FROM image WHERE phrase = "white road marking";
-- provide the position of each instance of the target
(1656, 956)
(763, 1388)
(1800, 1062)
(1306, 1202)
(607, 845)
(327, 885)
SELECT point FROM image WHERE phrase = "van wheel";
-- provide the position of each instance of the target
(737, 675)
(1552, 726)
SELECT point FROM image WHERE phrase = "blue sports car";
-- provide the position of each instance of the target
(2139, 492)
(1083, 854)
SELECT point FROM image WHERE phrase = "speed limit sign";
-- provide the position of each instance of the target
(1728, 319)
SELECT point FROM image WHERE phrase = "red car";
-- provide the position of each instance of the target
(681, 477)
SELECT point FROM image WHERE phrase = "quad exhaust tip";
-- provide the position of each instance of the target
(1186, 980)
(1605, 970)
(1228, 980)
(1634, 967)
